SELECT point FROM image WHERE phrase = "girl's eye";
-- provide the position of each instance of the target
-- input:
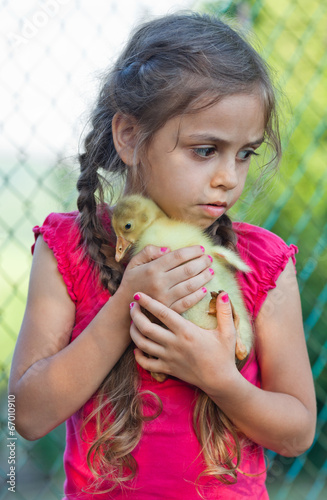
(246, 154)
(205, 152)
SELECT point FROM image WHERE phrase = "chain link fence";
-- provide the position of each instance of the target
(49, 69)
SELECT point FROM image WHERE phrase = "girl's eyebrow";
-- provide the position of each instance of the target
(258, 142)
(212, 139)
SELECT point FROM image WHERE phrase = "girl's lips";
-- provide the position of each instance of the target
(214, 210)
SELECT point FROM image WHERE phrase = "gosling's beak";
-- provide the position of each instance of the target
(121, 248)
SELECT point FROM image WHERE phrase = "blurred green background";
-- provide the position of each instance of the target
(38, 174)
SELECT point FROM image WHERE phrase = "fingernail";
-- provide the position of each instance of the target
(225, 298)
(203, 249)
(211, 271)
(204, 290)
(211, 259)
(132, 304)
(137, 296)
(163, 249)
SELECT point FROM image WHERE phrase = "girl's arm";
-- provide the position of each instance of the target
(280, 415)
(52, 378)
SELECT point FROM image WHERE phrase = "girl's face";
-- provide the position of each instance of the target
(198, 163)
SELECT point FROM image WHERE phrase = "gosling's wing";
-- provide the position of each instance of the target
(227, 256)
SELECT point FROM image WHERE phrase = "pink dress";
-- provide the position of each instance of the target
(168, 454)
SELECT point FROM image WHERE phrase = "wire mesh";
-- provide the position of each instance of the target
(43, 94)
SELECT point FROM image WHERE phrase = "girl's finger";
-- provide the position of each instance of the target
(184, 273)
(190, 300)
(149, 253)
(153, 365)
(172, 320)
(190, 292)
(178, 257)
(146, 334)
(145, 344)
(225, 322)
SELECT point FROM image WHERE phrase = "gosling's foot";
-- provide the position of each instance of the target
(160, 377)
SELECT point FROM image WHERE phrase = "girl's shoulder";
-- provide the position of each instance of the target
(267, 255)
(58, 230)
(61, 232)
(260, 243)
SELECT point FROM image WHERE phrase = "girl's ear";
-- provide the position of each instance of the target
(124, 133)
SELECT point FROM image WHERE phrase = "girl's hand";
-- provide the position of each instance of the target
(204, 358)
(176, 279)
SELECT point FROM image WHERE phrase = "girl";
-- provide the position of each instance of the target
(178, 119)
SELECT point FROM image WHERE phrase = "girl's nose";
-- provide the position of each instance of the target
(225, 175)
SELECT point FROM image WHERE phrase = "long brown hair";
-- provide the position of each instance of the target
(169, 65)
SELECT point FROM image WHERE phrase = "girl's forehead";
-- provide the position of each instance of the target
(231, 114)
(205, 102)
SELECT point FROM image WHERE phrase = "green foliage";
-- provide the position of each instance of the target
(227, 7)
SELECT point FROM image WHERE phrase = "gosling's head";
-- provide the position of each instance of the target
(131, 216)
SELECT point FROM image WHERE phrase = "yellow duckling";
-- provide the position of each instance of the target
(138, 221)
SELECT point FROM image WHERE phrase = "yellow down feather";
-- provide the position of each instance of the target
(138, 221)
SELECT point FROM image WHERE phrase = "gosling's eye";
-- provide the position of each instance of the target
(246, 154)
(128, 226)
(205, 152)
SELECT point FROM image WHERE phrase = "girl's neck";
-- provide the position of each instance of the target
(133, 186)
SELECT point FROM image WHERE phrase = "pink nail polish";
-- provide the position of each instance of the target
(137, 296)
(203, 249)
(204, 290)
(132, 304)
(211, 271)
(225, 298)
(210, 258)
(163, 249)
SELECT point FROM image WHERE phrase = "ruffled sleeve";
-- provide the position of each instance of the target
(267, 255)
(61, 233)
